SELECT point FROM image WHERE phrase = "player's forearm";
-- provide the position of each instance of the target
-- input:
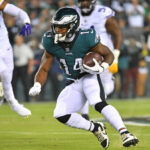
(45, 65)
(113, 28)
(118, 40)
(17, 12)
(2, 6)
(109, 58)
(41, 76)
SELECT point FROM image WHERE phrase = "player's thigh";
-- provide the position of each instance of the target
(7, 65)
(6, 57)
(2, 66)
(9, 59)
(93, 89)
(69, 101)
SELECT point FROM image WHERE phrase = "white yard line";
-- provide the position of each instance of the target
(136, 123)
(54, 133)
(133, 123)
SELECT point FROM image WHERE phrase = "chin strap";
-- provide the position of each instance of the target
(59, 38)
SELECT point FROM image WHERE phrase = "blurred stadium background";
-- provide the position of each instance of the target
(131, 96)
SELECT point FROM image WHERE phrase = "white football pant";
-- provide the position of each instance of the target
(108, 84)
(6, 68)
(73, 97)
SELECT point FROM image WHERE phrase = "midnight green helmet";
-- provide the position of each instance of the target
(65, 17)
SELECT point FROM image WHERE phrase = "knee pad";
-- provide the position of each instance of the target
(100, 106)
(64, 119)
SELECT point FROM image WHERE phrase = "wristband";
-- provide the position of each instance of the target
(105, 65)
(37, 84)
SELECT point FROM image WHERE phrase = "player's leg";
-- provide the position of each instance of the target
(1, 93)
(94, 92)
(69, 102)
(6, 77)
(1, 90)
(108, 82)
(15, 79)
(85, 110)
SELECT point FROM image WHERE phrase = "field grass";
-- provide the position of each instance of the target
(42, 132)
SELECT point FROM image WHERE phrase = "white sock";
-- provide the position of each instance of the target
(113, 117)
(77, 121)
(122, 131)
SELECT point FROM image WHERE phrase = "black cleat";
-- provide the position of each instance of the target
(101, 134)
(128, 139)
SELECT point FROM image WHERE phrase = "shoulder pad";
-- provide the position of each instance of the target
(105, 11)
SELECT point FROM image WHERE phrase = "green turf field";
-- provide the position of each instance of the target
(42, 132)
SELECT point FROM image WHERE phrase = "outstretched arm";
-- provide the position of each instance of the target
(20, 14)
(113, 28)
(15, 11)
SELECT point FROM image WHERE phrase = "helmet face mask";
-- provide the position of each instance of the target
(86, 6)
(65, 18)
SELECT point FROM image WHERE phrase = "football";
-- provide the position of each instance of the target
(88, 59)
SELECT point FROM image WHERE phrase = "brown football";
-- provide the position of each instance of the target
(88, 59)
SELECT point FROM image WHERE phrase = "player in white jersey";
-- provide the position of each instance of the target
(6, 54)
(101, 18)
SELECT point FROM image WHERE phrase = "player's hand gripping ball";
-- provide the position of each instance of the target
(88, 59)
(92, 63)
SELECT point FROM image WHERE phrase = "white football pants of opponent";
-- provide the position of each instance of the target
(6, 70)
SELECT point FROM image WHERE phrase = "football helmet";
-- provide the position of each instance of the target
(65, 17)
(86, 6)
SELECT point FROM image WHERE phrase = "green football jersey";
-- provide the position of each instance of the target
(70, 55)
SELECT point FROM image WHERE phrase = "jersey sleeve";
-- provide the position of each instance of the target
(1, 1)
(46, 42)
(94, 38)
(106, 12)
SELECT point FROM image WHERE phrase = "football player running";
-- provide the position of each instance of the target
(6, 55)
(69, 44)
(101, 18)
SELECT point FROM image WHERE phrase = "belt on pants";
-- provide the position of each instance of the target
(68, 82)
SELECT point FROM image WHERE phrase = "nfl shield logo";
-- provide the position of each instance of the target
(67, 49)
